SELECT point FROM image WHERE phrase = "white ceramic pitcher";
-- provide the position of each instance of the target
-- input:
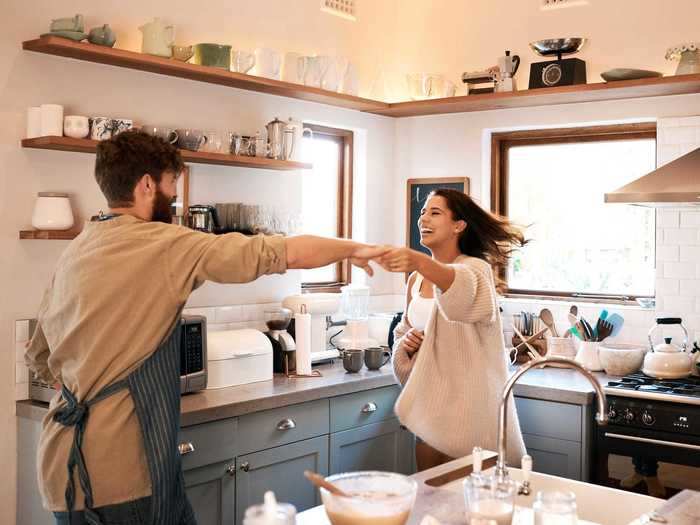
(157, 38)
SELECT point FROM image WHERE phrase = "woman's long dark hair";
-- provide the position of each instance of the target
(487, 236)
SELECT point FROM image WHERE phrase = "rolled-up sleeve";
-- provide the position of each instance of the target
(37, 355)
(472, 296)
(195, 257)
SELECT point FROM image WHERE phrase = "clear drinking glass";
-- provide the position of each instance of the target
(489, 501)
(285, 514)
(555, 508)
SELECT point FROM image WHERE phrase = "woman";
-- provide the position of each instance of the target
(448, 350)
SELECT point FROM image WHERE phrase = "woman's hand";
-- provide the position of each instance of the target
(410, 343)
(401, 260)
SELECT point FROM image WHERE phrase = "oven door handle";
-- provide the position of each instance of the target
(652, 441)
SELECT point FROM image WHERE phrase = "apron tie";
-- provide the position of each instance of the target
(75, 414)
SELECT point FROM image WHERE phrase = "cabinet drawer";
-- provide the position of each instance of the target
(556, 457)
(279, 426)
(363, 408)
(549, 419)
(208, 443)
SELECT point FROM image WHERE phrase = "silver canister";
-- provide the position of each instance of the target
(275, 138)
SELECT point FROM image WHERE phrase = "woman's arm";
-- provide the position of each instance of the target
(401, 360)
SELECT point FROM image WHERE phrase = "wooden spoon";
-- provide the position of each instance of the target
(319, 481)
(574, 310)
(548, 319)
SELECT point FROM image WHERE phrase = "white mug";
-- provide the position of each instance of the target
(312, 71)
(51, 120)
(267, 63)
(33, 122)
(293, 69)
(76, 126)
(242, 61)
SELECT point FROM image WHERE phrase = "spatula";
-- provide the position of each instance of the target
(616, 320)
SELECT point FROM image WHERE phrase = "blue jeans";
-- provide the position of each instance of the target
(134, 512)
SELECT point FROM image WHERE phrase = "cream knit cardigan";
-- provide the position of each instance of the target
(453, 384)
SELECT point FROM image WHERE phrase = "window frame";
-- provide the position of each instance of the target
(501, 142)
(343, 271)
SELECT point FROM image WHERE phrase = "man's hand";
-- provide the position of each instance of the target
(362, 255)
(401, 260)
(410, 343)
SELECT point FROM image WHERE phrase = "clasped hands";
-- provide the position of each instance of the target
(391, 258)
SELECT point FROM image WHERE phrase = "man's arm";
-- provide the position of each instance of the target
(308, 251)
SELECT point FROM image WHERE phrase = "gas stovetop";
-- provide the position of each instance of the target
(638, 385)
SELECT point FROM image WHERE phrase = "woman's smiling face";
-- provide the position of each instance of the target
(436, 224)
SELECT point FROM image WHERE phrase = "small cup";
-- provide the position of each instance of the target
(352, 360)
(120, 125)
(166, 134)
(76, 126)
(489, 500)
(100, 128)
(377, 357)
(182, 53)
(558, 508)
(190, 139)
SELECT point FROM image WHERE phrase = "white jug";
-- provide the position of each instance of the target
(157, 38)
(297, 152)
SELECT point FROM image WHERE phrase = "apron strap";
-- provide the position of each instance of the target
(75, 414)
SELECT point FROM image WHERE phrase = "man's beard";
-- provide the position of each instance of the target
(162, 211)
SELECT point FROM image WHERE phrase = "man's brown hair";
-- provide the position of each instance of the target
(124, 159)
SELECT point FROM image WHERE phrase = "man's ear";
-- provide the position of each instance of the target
(146, 185)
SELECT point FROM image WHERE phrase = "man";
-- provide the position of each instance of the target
(108, 332)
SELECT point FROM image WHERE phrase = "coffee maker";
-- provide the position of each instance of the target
(283, 345)
(507, 67)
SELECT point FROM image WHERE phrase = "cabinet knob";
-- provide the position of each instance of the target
(245, 466)
(185, 448)
(286, 424)
(369, 408)
(231, 470)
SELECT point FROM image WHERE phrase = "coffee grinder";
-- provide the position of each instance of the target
(507, 68)
(283, 345)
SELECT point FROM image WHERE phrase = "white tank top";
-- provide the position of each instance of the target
(420, 307)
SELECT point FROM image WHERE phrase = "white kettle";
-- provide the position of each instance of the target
(666, 360)
(157, 38)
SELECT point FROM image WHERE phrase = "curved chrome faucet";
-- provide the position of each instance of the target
(602, 415)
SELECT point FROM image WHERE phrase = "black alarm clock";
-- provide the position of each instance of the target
(564, 72)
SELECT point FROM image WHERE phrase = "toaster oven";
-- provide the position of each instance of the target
(193, 360)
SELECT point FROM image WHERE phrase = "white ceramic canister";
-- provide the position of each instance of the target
(51, 120)
(52, 211)
(587, 355)
(33, 122)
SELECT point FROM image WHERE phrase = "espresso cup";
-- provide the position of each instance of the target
(375, 358)
(191, 139)
(76, 126)
(352, 360)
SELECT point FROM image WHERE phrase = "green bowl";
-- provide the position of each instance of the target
(214, 55)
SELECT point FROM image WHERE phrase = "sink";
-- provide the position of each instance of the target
(595, 503)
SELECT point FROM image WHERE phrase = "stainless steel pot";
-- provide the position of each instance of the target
(275, 137)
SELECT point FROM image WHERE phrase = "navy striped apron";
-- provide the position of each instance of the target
(155, 390)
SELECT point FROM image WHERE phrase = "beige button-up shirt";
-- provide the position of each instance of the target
(115, 295)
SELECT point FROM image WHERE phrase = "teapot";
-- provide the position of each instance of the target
(157, 38)
(667, 360)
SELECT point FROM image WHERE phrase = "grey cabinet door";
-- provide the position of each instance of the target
(281, 470)
(379, 446)
(211, 491)
(554, 456)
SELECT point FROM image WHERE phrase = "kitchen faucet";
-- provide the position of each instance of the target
(601, 417)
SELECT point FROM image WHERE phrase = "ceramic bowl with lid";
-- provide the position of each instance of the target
(52, 211)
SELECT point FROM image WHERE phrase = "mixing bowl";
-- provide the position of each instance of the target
(621, 359)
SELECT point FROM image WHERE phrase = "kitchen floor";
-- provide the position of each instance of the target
(673, 477)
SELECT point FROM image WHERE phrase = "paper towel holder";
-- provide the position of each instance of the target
(287, 357)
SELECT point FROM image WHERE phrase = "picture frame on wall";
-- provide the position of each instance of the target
(417, 191)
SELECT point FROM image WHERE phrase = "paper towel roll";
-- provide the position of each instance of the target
(302, 331)
(33, 122)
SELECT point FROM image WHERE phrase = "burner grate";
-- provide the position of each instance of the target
(688, 386)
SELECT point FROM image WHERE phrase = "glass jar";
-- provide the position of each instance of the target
(555, 508)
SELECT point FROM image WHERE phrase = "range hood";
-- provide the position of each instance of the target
(676, 184)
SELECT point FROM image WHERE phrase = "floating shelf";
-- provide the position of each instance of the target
(197, 157)
(53, 45)
(622, 89)
(598, 92)
(49, 235)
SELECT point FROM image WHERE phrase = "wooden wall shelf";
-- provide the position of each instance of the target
(53, 45)
(623, 89)
(597, 92)
(49, 235)
(197, 157)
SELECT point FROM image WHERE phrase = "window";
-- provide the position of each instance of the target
(554, 181)
(327, 200)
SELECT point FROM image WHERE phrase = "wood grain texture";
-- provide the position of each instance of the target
(53, 45)
(197, 157)
(48, 235)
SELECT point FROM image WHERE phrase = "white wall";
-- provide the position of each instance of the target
(28, 79)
